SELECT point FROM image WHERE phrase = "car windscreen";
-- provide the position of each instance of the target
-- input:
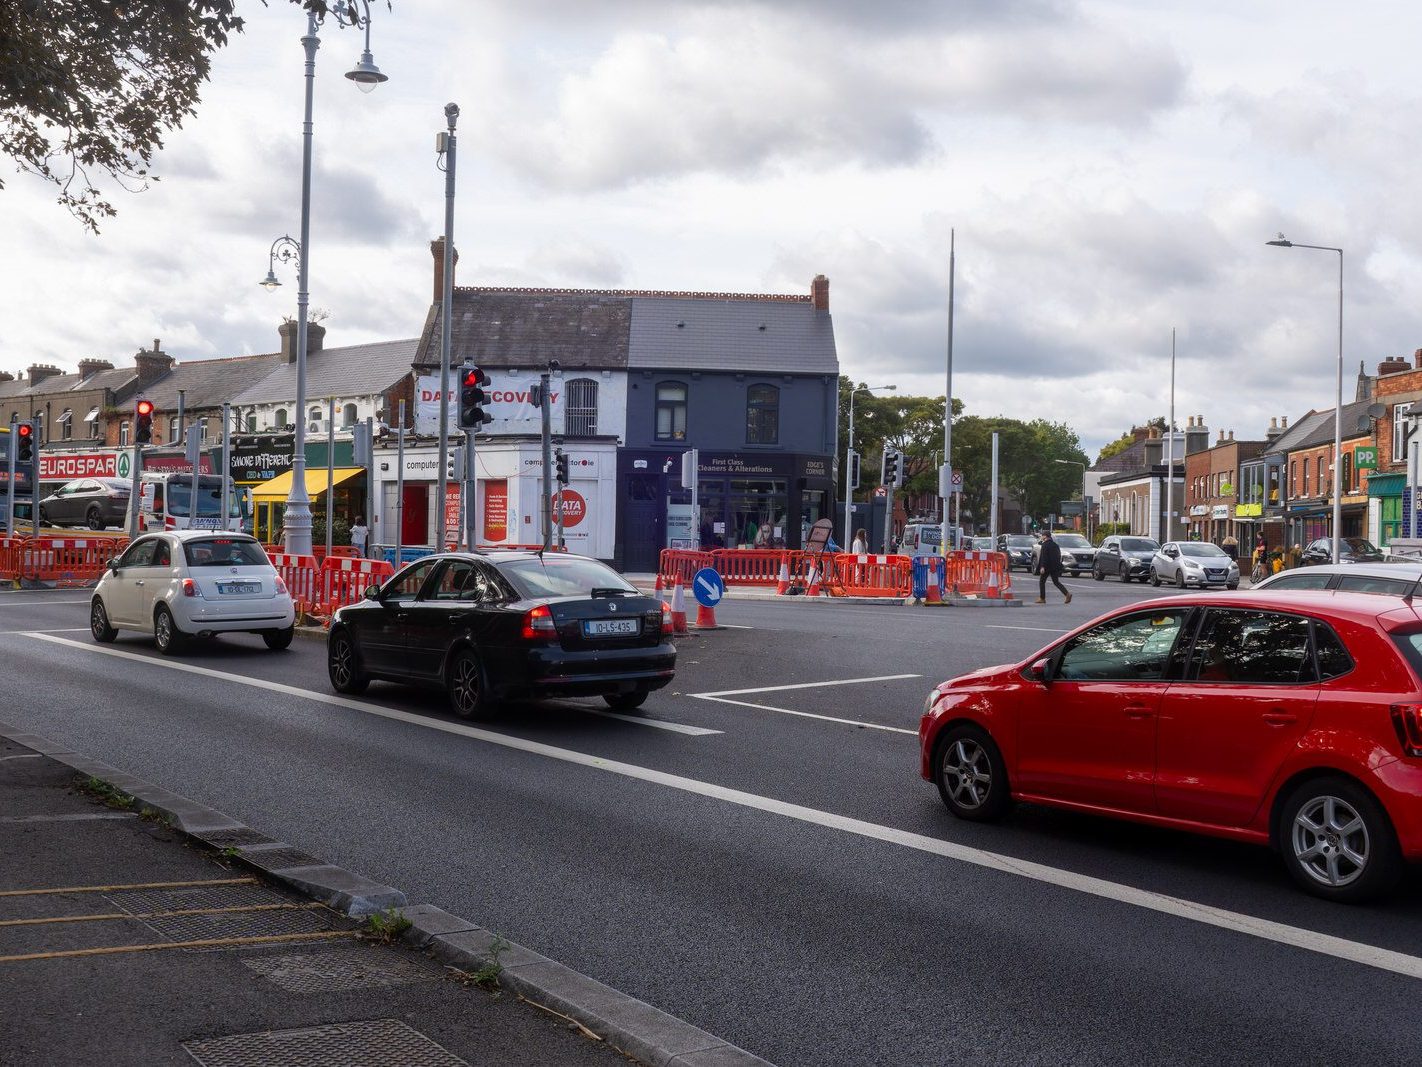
(1360, 545)
(1138, 544)
(561, 576)
(224, 552)
(1200, 548)
(1071, 540)
(1020, 541)
(180, 492)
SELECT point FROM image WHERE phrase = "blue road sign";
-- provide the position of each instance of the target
(708, 587)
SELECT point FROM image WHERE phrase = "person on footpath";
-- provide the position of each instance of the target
(1049, 565)
(860, 547)
(360, 536)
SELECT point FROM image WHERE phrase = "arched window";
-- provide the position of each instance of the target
(173, 430)
(671, 411)
(762, 415)
(315, 414)
(348, 415)
(580, 408)
(279, 420)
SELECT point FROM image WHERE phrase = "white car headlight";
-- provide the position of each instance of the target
(1192, 564)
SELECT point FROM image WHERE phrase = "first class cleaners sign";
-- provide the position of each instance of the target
(510, 403)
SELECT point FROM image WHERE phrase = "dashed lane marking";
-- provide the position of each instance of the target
(1148, 900)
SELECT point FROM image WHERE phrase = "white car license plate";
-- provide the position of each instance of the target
(241, 588)
(611, 628)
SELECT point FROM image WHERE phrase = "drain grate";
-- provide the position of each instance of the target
(223, 924)
(337, 970)
(213, 896)
(375, 1043)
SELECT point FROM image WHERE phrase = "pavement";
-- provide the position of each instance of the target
(754, 852)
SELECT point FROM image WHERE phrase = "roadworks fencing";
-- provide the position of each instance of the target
(974, 575)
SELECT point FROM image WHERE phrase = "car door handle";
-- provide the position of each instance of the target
(1279, 718)
(1137, 711)
(138, 582)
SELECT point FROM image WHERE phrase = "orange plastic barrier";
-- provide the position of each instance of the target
(984, 574)
(10, 558)
(682, 563)
(65, 562)
(344, 580)
(853, 575)
(302, 575)
(750, 566)
(319, 551)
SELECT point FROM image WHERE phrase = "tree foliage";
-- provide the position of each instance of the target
(90, 88)
(1127, 439)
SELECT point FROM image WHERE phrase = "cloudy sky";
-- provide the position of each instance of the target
(1112, 169)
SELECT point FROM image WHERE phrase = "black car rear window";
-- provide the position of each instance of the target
(224, 552)
(561, 576)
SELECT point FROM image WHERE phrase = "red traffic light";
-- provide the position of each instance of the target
(145, 407)
(25, 429)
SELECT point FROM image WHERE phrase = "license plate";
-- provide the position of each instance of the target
(611, 628)
(241, 588)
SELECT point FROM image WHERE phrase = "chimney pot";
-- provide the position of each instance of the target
(38, 372)
(437, 251)
(1283, 422)
(315, 335)
(152, 365)
(819, 293)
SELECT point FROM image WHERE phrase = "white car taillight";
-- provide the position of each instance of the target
(189, 587)
(280, 586)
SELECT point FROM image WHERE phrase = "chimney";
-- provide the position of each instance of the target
(1220, 440)
(1283, 422)
(819, 293)
(1417, 359)
(437, 251)
(1392, 365)
(6, 376)
(152, 365)
(38, 372)
(1154, 454)
(315, 334)
(90, 367)
(1197, 436)
(1231, 436)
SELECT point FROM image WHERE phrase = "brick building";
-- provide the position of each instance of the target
(1213, 490)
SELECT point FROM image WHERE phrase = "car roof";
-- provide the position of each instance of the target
(194, 535)
(1403, 571)
(1364, 608)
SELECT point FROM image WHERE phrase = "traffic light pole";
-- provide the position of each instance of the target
(471, 494)
(546, 408)
(34, 478)
(447, 143)
(133, 495)
(227, 469)
(13, 442)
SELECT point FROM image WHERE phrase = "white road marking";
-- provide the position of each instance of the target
(804, 714)
(1039, 629)
(32, 604)
(674, 727)
(805, 685)
(1176, 907)
(65, 630)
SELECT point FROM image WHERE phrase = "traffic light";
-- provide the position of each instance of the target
(560, 460)
(854, 470)
(25, 443)
(893, 468)
(472, 398)
(143, 422)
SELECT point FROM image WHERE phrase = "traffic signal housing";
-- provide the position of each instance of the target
(472, 398)
(893, 468)
(25, 443)
(143, 422)
(560, 461)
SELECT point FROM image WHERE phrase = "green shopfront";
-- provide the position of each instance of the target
(1385, 508)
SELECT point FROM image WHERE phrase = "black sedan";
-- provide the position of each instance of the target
(506, 626)
(93, 502)
(1350, 550)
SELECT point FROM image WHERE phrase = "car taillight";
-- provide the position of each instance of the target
(1407, 721)
(668, 629)
(280, 586)
(189, 587)
(538, 624)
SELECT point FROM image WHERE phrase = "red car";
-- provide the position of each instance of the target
(1290, 719)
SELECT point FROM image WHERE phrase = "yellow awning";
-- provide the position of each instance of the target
(279, 487)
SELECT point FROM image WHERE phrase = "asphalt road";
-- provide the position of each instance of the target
(787, 881)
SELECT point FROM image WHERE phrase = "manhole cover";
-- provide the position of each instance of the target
(334, 970)
(376, 1043)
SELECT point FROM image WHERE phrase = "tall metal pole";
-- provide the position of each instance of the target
(993, 527)
(197, 467)
(296, 522)
(546, 409)
(135, 504)
(451, 114)
(1170, 451)
(848, 467)
(471, 494)
(227, 468)
(330, 471)
(945, 480)
(400, 488)
(35, 481)
(12, 441)
(182, 434)
(1338, 428)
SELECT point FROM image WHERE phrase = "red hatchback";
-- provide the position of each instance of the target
(1291, 719)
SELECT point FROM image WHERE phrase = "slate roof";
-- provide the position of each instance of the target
(1322, 433)
(738, 333)
(1300, 431)
(581, 328)
(65, 383)
(1133, 458)
(207, 383)
(349, 370)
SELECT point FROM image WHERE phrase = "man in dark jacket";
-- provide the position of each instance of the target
(1049, 565)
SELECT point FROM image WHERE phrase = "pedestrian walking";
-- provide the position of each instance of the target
(360, 535)
(1049, 565)
(860, 547)
(1231, 547)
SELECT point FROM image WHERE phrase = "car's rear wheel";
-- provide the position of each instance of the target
(166, 634)
(464, 682)
(1098, 575)
(1337, 842)
(971, 776)
(99, 623)
(1154, 578)
(343, 665)
(626, 701)
(279, 639)
(95, 519)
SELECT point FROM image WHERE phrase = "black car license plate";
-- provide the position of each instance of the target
(611, 628)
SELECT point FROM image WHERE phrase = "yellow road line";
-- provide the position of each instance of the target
(119, 888)
(160, 914)
(210, 942)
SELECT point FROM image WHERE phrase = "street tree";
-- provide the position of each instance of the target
(89, 89)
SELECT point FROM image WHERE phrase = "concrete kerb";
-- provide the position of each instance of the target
(629, 1024)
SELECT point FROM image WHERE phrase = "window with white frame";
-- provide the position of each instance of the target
(91, 424)
(1401, 420)
(173, 430)
(279, 420)
(348, 416)
(66, 425)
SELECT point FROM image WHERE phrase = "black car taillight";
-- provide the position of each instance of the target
(1407, 721)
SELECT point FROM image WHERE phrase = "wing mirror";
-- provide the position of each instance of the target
(372, 592)
(1172, 552)
(1041, 671)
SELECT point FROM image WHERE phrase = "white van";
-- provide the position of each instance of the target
(924, 539)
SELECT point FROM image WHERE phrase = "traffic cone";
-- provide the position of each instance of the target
(678, 611)
(993, 592)
(706, 617)
(783, 585)
(813, 582)
(933, 596)
(660, 590)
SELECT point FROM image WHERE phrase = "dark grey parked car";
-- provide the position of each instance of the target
(93, 502)
(1350, 550)
(1124, 557)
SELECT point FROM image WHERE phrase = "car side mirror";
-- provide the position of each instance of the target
(372, 592)
(114, 566)
(1041, 671)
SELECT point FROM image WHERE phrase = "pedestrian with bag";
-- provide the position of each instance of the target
(1049, 565)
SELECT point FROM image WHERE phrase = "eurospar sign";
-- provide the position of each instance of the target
(510, 404)
(66, 466)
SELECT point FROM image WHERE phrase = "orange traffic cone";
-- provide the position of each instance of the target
(678, 611)
(783, 585)
(813, 582)
(706, 617)
(993, 591)
(933, 596)
(660, 590)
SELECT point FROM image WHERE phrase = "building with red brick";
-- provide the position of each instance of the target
(1212, 490)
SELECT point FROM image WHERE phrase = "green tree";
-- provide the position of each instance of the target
(1027, 470)
(91, 87)
(1127, 439)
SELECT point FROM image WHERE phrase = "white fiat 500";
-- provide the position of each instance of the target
(192, 583)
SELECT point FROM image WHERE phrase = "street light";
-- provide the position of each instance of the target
(1085, 511)
(1283, 242)
(296, 520)
(848, 458)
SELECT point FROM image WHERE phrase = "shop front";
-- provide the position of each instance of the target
(744, 500)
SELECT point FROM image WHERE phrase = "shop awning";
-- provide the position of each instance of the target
(1386, 484)
(280, 487)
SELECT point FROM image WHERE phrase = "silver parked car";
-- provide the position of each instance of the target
(1398, 579)
(1197, 563)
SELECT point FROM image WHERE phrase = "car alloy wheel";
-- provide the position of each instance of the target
(95, 519)
(1337, 842)
(342, 667)
(1330, 841)
(466, 686)
(1154, 578)
(1099, 575)
(99, 623)
(1180, 579)
(166, 634)
(972, 779)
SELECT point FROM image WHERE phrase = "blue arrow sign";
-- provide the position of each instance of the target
(708, 587)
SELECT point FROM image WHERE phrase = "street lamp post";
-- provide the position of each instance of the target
(296, 520)
(1085, 511)
(1283, 242)
(849, 458)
